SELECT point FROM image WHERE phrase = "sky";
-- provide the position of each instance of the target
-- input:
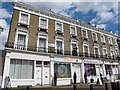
(101, 13)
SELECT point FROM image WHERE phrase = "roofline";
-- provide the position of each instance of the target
(56, 15)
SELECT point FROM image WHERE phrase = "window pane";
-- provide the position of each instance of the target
(21, 39)
(96, 50)
(12, 69)
(102, 38)
(90, 69)
(30, 71)
(59, 45)
(73, 30)
(84, 34)
(24, 18)
(43, 23)
(86, 49)
(59, 27)
(24, 69)
(94, 36)
(21, 69)
(42, 44)
(74, 46)
(18, 69)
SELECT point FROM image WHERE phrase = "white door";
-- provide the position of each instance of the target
(97, 70)
(76, 69)
(46, 76)
(101, 70)
(38, 76)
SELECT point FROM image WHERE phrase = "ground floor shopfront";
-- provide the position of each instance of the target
(37, 69)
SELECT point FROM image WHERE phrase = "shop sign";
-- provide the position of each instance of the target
(111, 63)
(75, 60)
(93, 61)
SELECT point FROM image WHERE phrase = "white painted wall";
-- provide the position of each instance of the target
(0, 81)
(18, 55)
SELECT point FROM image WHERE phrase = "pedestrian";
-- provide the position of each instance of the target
(85, 77)
(74, 77)
(101, 77)
(55, 79)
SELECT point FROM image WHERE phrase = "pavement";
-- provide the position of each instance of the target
(79, 86)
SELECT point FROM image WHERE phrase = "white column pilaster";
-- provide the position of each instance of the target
(82, 71)
(104, 71)
(71, 72)
(42, 79)
(51, 72)
(6, 68)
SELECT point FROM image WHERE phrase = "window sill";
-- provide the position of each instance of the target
(24, 25)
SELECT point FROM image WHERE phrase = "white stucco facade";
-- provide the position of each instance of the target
(43, 74)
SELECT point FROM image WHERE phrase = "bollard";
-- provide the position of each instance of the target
(27, 88)
(118, 85)
(114, 86)
(106, 86)
(91, 87)
(74, 87)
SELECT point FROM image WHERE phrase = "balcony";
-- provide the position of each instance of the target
(103, 43)
(59, 32)
(95, 41)
(73, 36)
(23, 25)
(85, 38)
(58, 51)
(42, 29)
(41, 49)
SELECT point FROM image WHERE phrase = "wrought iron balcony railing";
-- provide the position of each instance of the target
(57, 51)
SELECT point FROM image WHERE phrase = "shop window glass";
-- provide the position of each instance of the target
(90, 69)
(21, 69)
(62, 70)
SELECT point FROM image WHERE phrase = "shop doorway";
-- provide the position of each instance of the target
(46, 73)
(38, 74)
(42, 76)
(46, 76)
(76, 69)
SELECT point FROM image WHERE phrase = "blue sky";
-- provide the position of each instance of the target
(102, 14)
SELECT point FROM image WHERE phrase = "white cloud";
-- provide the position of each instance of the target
(101, 26)
(5, 14)
(103, 17)
(4, 34)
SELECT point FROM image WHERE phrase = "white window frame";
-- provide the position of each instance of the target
(106, 51)
(85, 31)
(59, 39)
(74, 42)
(56, 22)
(84, 44)
(25, 14)
(110, 40)
(22, 32)
(44, 19)
(112, 49)
(95, 36)
(98, 50)
(40, 35)
(103, 38)
(115, 41)
(116, 54)
(71, 30)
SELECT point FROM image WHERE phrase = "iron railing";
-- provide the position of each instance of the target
(57, 51)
